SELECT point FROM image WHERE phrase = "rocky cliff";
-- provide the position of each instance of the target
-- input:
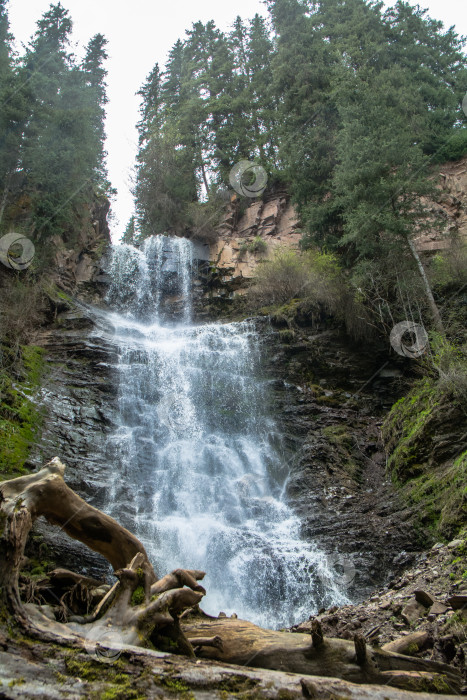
(250, 231)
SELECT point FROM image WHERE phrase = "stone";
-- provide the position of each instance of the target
(455, 543)
(438, 608)
(412, 611)
(409, 644)
(424, 598)
(457, 601)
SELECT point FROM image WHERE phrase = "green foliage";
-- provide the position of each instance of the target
(347, 104)
(365, 108)
(129, 235)
(455, 147)
(449, 365)
(448, 269)
(52, 145)
(311, 278)
(257, 245)
(211, 107)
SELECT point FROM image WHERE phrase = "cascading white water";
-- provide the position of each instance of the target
(197, 468)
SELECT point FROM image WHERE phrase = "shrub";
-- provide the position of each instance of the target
(257, 245)
(455, 146)
(449, 267)
(450, 364)
(314, 278)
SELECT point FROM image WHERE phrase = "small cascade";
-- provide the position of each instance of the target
(139, 277)
(198, 470)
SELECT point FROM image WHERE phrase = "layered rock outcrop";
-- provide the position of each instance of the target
(249, 234)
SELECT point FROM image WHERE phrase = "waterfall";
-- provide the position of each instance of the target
(198, 472)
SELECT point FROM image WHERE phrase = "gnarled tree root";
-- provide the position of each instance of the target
(137, 605)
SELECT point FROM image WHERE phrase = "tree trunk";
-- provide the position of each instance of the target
(138, 604)
(245, 644)
(429, 294)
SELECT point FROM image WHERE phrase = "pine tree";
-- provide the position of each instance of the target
(304, 75)
(435, 60)
(129, 235)
(165, 180)
(95, 74)
(62, 152)
(13, 111)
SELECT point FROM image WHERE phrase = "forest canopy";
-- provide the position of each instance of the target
(52, 156)
(344, 101)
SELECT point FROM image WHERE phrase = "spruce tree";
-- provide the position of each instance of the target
(14, 94)
(94, 75)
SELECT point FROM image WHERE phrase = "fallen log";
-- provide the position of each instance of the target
(245, 644)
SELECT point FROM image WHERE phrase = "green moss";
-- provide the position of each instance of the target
(236, 684)
(88, 670)
(122, 690)
(432, 483)
(20, 416)
(137, 597)
(118, 684)
(174, 685)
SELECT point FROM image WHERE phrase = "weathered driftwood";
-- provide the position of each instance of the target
(246, 644)
(151, 676)
(141, 610)
(137, 605)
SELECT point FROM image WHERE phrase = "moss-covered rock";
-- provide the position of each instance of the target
(424, 436)
(20, 415)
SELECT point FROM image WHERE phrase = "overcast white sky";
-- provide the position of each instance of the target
(140, 33)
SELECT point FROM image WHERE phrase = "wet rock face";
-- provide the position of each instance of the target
(337, 477)
(78, 400)
(331, 440)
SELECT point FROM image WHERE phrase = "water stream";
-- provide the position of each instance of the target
(200, 450)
